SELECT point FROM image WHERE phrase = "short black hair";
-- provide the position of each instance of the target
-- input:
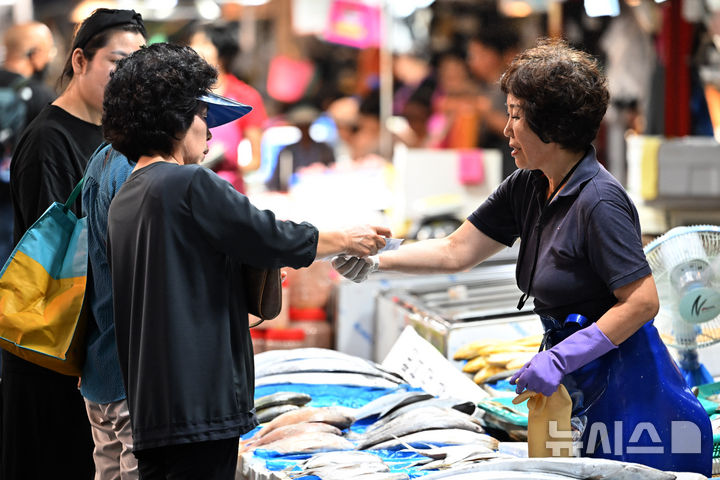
(563, 92)
(152, 99)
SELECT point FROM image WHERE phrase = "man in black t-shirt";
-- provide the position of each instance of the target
(29, 49)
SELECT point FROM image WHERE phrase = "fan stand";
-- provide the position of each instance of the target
(692, 370)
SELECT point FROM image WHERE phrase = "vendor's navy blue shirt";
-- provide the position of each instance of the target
(590, 241)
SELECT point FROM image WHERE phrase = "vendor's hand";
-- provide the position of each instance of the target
(541, 374)
(364, 240)
(355, 268)
(544, 372)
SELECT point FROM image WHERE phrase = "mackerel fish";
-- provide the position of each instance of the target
(442, 436)
(463, 406)
(289, 431)
(340, 417)
(267, 414)
(424, 419)
(280, 356)
(340, 365)
(338, 458)
(282, 398)
(381, 406)
(578, 468)
(309, 442)
(327, 378)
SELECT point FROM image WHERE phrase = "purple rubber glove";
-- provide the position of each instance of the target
(544, 372)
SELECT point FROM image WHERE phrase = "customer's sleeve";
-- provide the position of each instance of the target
(235, 227)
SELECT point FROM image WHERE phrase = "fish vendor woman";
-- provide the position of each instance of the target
(581, 256)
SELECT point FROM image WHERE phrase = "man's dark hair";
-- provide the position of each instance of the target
(224, 37)
(563, 93)
(501, 38)
(370, 103)
(152, 98)
(95, 32)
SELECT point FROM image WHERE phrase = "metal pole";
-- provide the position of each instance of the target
(386, 79)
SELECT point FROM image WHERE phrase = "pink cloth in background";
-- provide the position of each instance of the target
(471, 167)
(288, 79)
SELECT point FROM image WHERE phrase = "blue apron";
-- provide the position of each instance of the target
(637, 406)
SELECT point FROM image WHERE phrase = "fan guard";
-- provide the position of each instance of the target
(685, 263)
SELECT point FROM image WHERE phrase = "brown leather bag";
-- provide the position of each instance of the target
(263, 292)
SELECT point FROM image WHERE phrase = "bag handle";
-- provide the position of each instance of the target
(73, 196)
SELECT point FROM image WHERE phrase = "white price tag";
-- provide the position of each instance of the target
(424, 367)
(391, 244)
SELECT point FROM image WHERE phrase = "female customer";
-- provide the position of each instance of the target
(178, 236)
(581, 253)
(45, 430)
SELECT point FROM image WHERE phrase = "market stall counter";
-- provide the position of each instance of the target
(330, 415)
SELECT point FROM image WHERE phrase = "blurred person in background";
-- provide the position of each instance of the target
(344, 113)
(417, 112)
(304, 153)
(365, 140)
(178, 236)
(218, 44)
(488, 55)
(45, 429)
(411, 71)
(454, 120)
(29, 49)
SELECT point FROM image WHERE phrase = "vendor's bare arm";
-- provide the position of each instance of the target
(637, 304)
(464, 248)
(361, 241)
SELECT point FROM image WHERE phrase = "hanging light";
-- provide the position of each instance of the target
(252, 3)
(401, 9)
(208, 9)
(597, 8)
(515, 8)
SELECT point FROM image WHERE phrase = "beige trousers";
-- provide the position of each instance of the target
(112, 435)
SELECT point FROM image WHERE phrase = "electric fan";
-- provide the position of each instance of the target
(685, 263)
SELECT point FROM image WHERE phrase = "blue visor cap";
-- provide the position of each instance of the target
(222, 110)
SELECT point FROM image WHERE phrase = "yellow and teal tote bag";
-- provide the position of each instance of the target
(42, 291)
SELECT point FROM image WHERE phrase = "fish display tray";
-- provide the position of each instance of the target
(709, 396)
(503, 408)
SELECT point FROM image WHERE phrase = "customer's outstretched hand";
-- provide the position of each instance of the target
(364, 240)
